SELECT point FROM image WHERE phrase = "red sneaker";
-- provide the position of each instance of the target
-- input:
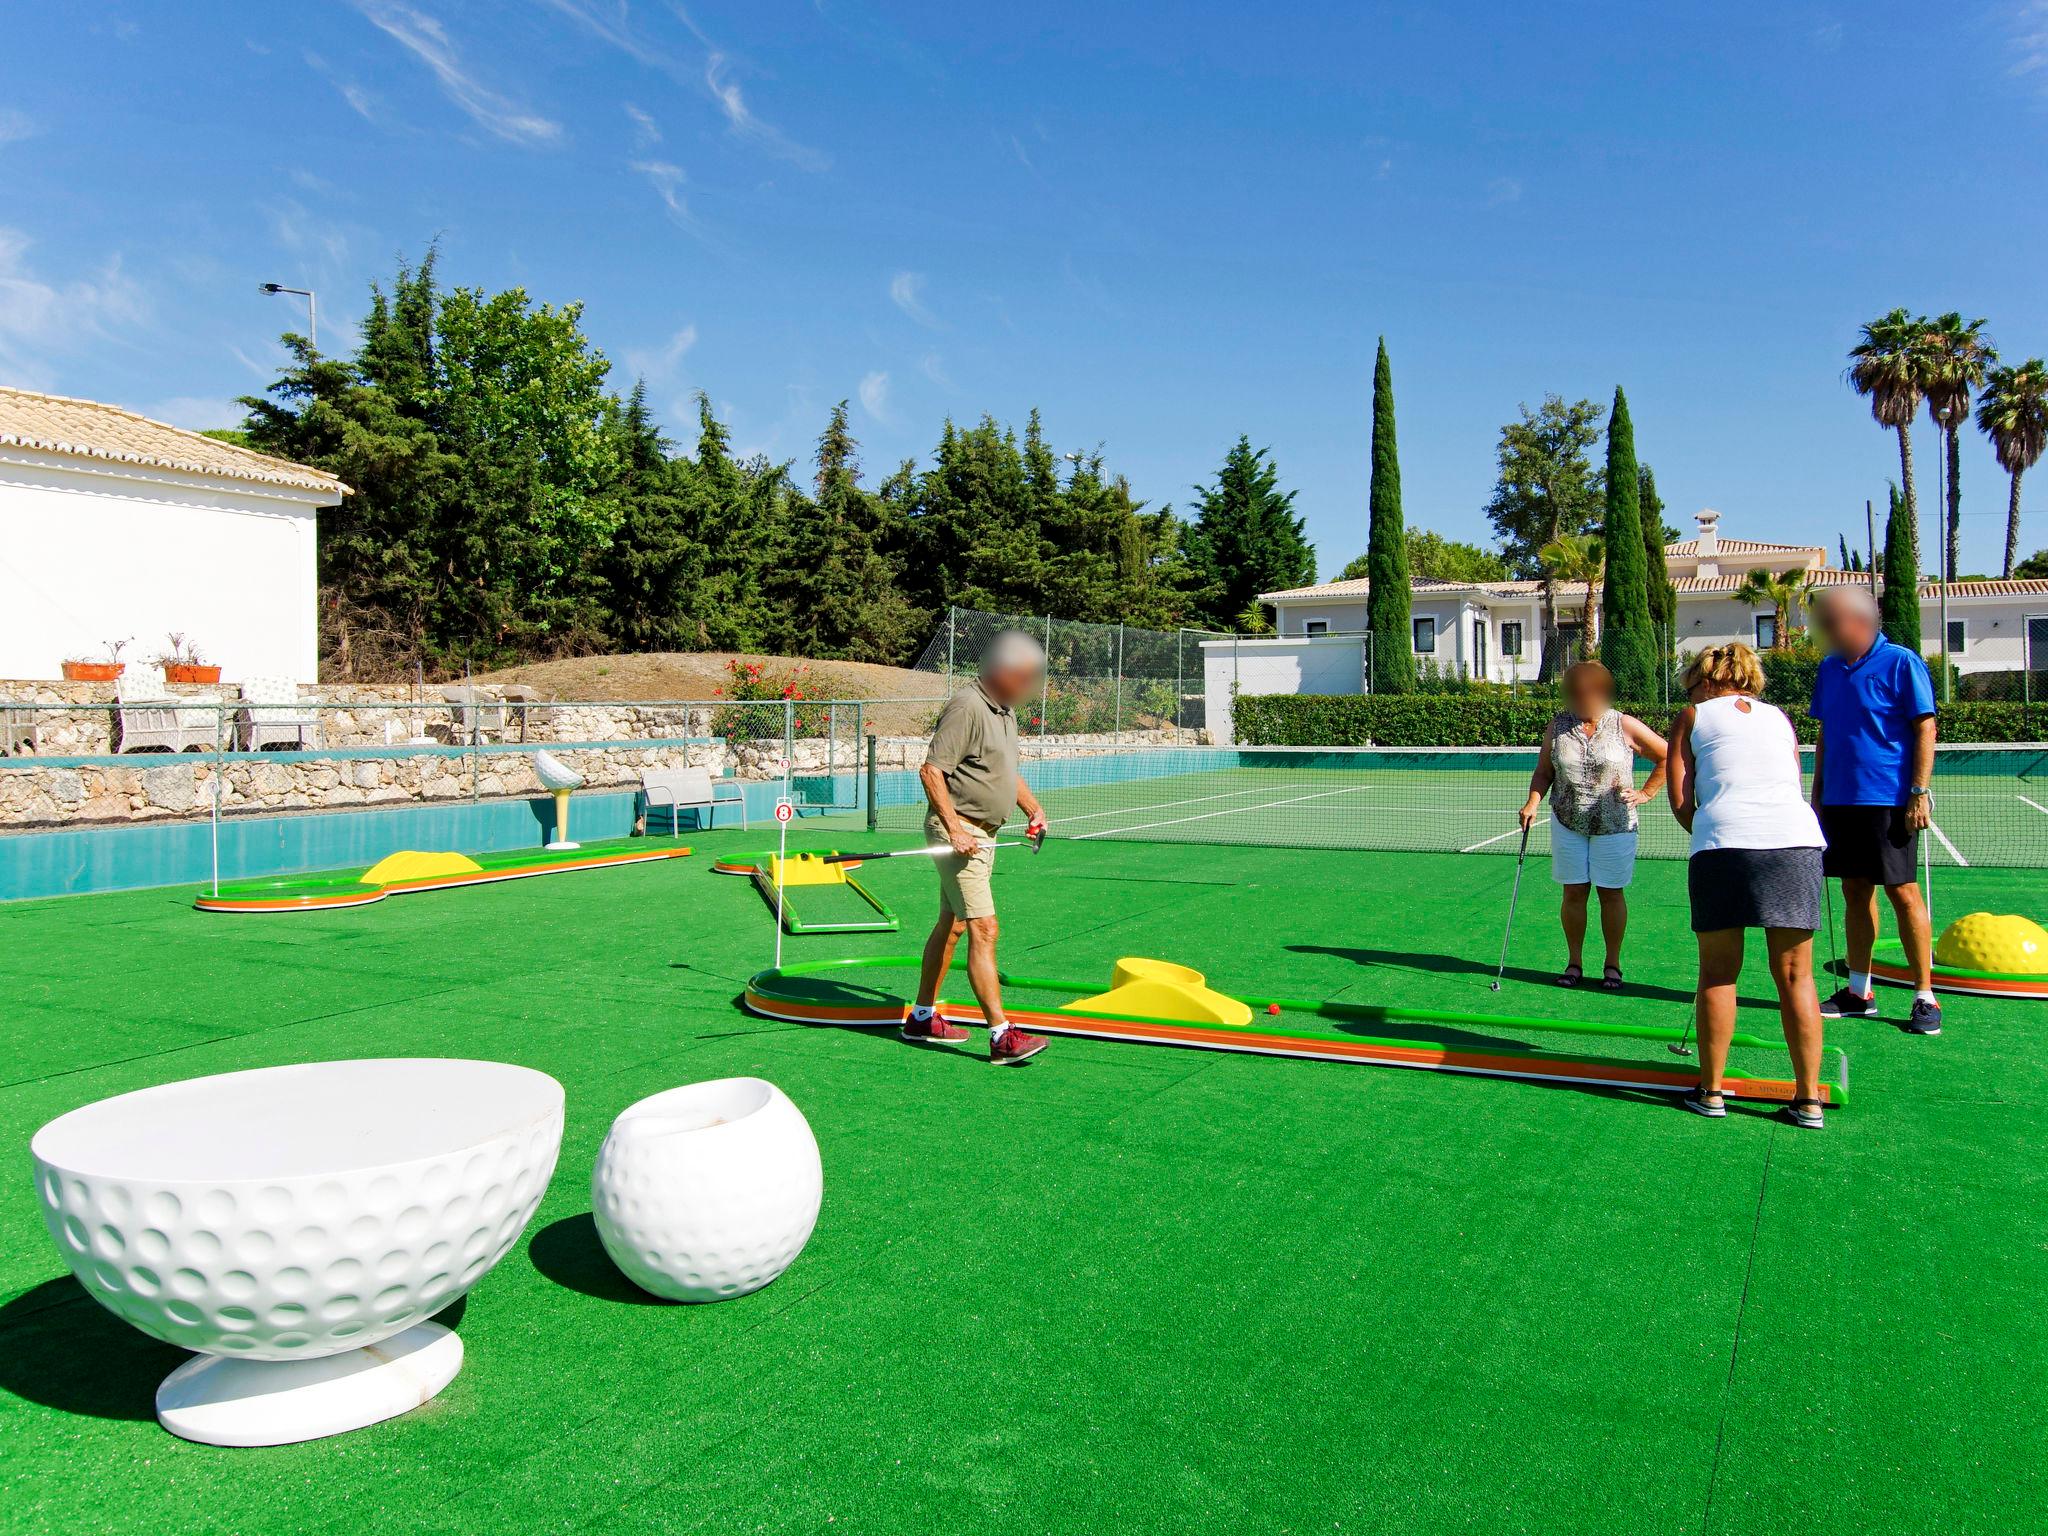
(932, 1031)
(1014, 1046)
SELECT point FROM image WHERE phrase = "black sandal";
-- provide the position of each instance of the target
(1696, 1099)
(1806, 1114)
(1573, 975)
(1610, 979)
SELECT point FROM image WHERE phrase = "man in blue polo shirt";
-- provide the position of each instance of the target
(1871, 771)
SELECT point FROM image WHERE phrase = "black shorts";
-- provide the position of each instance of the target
(1869, 842)
(1754, 888)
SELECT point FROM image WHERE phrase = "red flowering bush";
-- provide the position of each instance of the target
(757, 695)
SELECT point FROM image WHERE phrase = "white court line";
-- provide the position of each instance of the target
(1163, 805)
(2043, 809)
(1953, 851)
(1235, 810)
(1511, 831)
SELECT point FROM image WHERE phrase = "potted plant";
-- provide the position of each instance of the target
(88, 669)
(182, 663)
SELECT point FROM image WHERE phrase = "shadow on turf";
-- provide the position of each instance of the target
(1459, 965)
(570, 1253)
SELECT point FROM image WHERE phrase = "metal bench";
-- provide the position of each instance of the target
(689, 789)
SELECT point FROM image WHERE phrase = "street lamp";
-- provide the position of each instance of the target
(312, 308)
(1943, 416)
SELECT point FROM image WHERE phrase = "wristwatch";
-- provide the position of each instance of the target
(1914, 791)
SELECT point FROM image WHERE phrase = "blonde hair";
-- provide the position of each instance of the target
(1734, 666)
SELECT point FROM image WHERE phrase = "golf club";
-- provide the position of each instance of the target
(1514, 896)
(937, 850)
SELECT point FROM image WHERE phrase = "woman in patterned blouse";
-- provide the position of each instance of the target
(1587, 768)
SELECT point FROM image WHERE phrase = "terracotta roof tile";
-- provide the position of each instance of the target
(56, 424)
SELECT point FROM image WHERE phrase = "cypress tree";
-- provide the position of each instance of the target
(1657, 574)
(1627, 643)
(1386, 547)
(1899, 600)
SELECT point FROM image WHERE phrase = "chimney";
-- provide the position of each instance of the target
(1710, 542)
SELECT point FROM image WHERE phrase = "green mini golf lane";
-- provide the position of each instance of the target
(1120, 1288)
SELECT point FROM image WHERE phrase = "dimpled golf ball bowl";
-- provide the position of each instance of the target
(281, 1221)
(709, 1191)
(2002, 943)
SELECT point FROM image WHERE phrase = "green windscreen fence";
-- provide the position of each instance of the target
(1990, 803)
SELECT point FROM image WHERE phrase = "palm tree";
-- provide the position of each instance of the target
(2013, 413)
(1578, 557)
(1890, 365)
(1958, 354)
(1781, 592)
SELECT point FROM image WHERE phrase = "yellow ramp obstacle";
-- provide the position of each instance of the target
(1987, 941)
(402, 868)
(1159, 989)
(804, 869)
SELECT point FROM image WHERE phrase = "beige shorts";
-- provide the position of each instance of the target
(963, 883)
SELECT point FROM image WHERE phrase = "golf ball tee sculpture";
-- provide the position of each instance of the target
(709, 1191)
(297, 1227)
(558, 779)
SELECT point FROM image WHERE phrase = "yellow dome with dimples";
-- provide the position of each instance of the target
(1998, 942)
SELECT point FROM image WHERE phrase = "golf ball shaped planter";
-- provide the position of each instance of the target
(708, 1192)
(284, 1221)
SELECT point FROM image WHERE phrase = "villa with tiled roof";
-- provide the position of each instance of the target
(116, 527)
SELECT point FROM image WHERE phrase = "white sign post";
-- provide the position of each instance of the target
(785, 808)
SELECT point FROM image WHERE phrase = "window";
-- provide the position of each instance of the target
(1316, 627)
(1511, 639)
(1767, 631)
(1956, 637)
(1425, 637)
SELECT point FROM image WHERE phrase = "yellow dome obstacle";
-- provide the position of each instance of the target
(1159, 989)
(1984, 953)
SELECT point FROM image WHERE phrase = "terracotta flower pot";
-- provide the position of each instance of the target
(178, 672)
(92, 671)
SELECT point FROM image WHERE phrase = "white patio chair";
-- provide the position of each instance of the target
(463, 702)
(689, 789)
(19, 730)
(273, 716)
(150, 716)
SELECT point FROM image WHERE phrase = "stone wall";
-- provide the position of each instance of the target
(140, 787)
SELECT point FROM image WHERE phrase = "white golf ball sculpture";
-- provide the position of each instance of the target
(708, 1191)
(284, 1220)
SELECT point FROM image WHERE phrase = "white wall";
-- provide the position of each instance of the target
(1343, 616)
(1319, 665)
(92, 553)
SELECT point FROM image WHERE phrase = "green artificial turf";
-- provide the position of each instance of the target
(1124, 1288)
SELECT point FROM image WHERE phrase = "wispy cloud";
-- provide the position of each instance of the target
(906, 292)
(741, 119)
(195, 413)
(874, 396)
(933, 368)
(15, 125)
(42, 319)
(612, 24)
(1503, 189)
(360, 101)
(667, 181)
(428, 41)
(2030, 38)
(1828, 37)
(646, 131)
(659, 364)
(304, 233)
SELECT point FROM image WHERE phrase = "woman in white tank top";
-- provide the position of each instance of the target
(1755, 863)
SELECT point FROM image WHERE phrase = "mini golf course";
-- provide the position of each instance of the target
(1121, 1288)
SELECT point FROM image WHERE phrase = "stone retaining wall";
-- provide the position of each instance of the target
(141, 787)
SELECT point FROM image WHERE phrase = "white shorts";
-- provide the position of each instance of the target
(1608, 860)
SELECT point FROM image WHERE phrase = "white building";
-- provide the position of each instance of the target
(116, 527)
(1490, 629)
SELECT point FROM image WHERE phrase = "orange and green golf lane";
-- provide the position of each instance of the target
(830, 992)
(402, 874)
(1888, 963)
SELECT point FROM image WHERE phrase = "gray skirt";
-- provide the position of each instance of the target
(1754, 888)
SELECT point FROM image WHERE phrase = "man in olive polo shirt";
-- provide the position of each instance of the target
(970, 777)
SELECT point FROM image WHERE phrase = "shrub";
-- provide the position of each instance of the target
(755, 710)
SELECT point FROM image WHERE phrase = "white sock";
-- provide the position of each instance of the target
(1924, 995)
(1859, 983)
(997, 1031)
(921, 1013)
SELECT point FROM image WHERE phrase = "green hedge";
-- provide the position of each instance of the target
(1452, 720)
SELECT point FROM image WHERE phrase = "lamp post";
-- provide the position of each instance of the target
(1942, 418)
(312, 308)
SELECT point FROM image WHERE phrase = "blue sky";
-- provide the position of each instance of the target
(1163, 225)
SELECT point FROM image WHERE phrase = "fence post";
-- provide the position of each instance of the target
(1119, 676)
(874, 781)
(952, 634)
(1045, 683)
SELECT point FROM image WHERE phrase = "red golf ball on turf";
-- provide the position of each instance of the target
(1272, 1007)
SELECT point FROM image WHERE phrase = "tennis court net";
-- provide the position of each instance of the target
(1990, 802)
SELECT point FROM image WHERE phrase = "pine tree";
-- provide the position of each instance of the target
(1627, 642)
(1387, 599)
(1246, 539)
(1899, 601)
(655, 565)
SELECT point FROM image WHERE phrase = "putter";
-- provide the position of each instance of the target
(937, 850)
(1514, 895)
(1834, 954)
(1683, 1047)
